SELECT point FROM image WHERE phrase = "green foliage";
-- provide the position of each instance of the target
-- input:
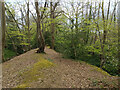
(8, 54)
(79, 43)
(47, 36)
(76, 36)
(111, 66)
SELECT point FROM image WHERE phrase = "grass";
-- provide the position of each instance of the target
(8, 54)
(95, 68)
(50, 60)
(102, 83)
(34, 73)
(23, 85)
(94, 60)
(98, 83)
(95, 82)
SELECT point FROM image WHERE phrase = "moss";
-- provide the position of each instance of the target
(48, 46)
(99, 70)
(95, 68)
(34, 73)
(23, 86)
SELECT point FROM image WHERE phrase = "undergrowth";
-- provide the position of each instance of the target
(8, 54)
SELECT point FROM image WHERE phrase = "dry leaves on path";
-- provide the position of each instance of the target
(65, 73)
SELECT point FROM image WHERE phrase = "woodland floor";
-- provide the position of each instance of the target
(57, 72)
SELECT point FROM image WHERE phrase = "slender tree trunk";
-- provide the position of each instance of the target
(22, 20)
(118, 21)
(98, 24)
(41, 39)
(52, 25)
(3, 29)
(95, 37)
(1, 45)
(86, 16)
(0, 37)
(104, 33)
(82, 9)
(98, 29)
(87, 10)
(28, 25)
(115, 17)
(53, 36)
(104, 36)
(89, 18)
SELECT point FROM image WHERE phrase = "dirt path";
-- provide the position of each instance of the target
(65, 74)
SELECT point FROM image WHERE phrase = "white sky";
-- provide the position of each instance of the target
(33, 10)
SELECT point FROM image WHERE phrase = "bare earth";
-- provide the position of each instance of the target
(65, 74)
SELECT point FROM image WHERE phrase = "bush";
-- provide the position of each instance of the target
(8, 54)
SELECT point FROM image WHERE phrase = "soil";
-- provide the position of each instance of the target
(66, 73)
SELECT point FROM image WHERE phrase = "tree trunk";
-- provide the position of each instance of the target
(95, 37)
(104, 33)
(118, 21)
(52, 25)
(3, 29)
(28, 25)
(52, 33)
(0, 34)
(39, 31)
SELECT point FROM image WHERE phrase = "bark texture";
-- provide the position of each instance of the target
(3, 29)
(41, 40)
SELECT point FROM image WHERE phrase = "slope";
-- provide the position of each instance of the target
(50, 70)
